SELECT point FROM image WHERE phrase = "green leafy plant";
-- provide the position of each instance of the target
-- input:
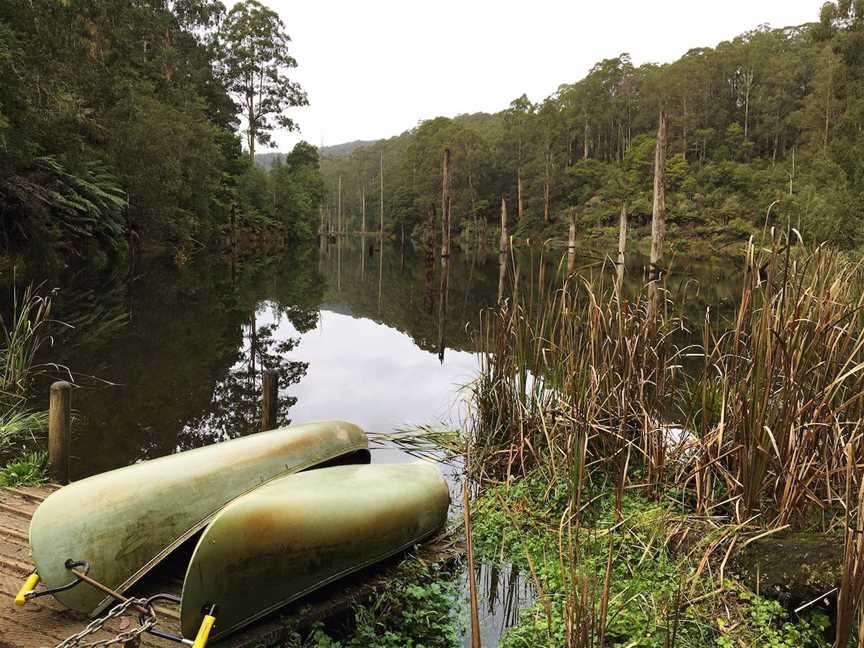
(28, 470)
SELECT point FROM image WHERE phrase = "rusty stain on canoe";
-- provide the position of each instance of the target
(126, 521)
(300, 532)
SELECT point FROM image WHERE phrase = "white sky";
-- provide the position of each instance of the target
(375, 69)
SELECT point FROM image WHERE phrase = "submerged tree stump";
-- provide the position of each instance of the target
(793, 568)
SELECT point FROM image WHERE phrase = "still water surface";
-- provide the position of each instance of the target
(168, 359)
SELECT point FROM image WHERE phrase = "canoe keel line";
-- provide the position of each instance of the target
(276, 528)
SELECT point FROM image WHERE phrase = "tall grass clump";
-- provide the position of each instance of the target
(574, 366)
(22, 335)
(753, 422)
(753, 416)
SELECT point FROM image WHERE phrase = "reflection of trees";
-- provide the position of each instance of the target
(176, 343)
(236, 409)
(186, 361)
(409, 297)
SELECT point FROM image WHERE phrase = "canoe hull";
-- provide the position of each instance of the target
(126, 521)
(301, 532)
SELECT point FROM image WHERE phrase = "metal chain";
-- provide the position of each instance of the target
(123, 637)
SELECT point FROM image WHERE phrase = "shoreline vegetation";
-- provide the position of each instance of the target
(627, 462)
(22, 460)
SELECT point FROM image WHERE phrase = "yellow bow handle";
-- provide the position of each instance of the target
(204, 631)
(28, 586)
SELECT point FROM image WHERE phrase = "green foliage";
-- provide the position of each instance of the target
(519, 524)
(773, 114)
(766, 623)
(26, 471)
(255, 63)
(417, 610)
(24, 332)
(117, 124)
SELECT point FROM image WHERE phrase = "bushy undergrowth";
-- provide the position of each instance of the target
(22, 333)
(418, 609)
(656, 598)
(28, 469)
(614, 418)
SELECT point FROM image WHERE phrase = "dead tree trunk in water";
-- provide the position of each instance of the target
(519, 209)
(445, 206)
(442, 305)
(430, 258)
(381, 200)
(363, 209)
(502, 251)
(504, 242)
(622, 247)
(658, 220)
(339, 209)
(571, 243)
(546, 190)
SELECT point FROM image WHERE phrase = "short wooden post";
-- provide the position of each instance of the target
(571, 243)
(269, 399)
(59, 431)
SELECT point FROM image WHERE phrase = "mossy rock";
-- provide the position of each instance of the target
(793, 568)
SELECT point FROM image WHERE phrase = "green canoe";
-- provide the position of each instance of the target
(125, 521)
(301, 532)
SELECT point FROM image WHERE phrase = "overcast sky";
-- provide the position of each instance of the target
(374, 69)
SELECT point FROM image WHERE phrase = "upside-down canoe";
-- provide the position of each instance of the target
(301, 532)
(126, 521)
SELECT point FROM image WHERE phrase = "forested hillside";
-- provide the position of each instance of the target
(772, 115)
(120, 125)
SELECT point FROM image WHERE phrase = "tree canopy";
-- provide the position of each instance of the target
(118, 121)
(773, 114)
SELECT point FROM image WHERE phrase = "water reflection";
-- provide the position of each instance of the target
(373, 374)
(168, 359)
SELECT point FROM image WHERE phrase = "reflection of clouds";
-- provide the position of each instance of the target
(373, 375)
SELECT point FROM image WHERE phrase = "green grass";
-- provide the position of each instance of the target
(21, 337)
(650, 587)
(418, 609)
(28, 470)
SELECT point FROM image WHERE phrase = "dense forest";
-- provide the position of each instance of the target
(121, 126)
(772, 115)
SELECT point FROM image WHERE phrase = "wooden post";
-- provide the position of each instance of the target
(59, 431)
(269, 399)
(622, 247)
(571, 243)
(445, 206)
(658, 220)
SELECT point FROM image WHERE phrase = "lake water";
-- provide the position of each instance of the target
(168, 358)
